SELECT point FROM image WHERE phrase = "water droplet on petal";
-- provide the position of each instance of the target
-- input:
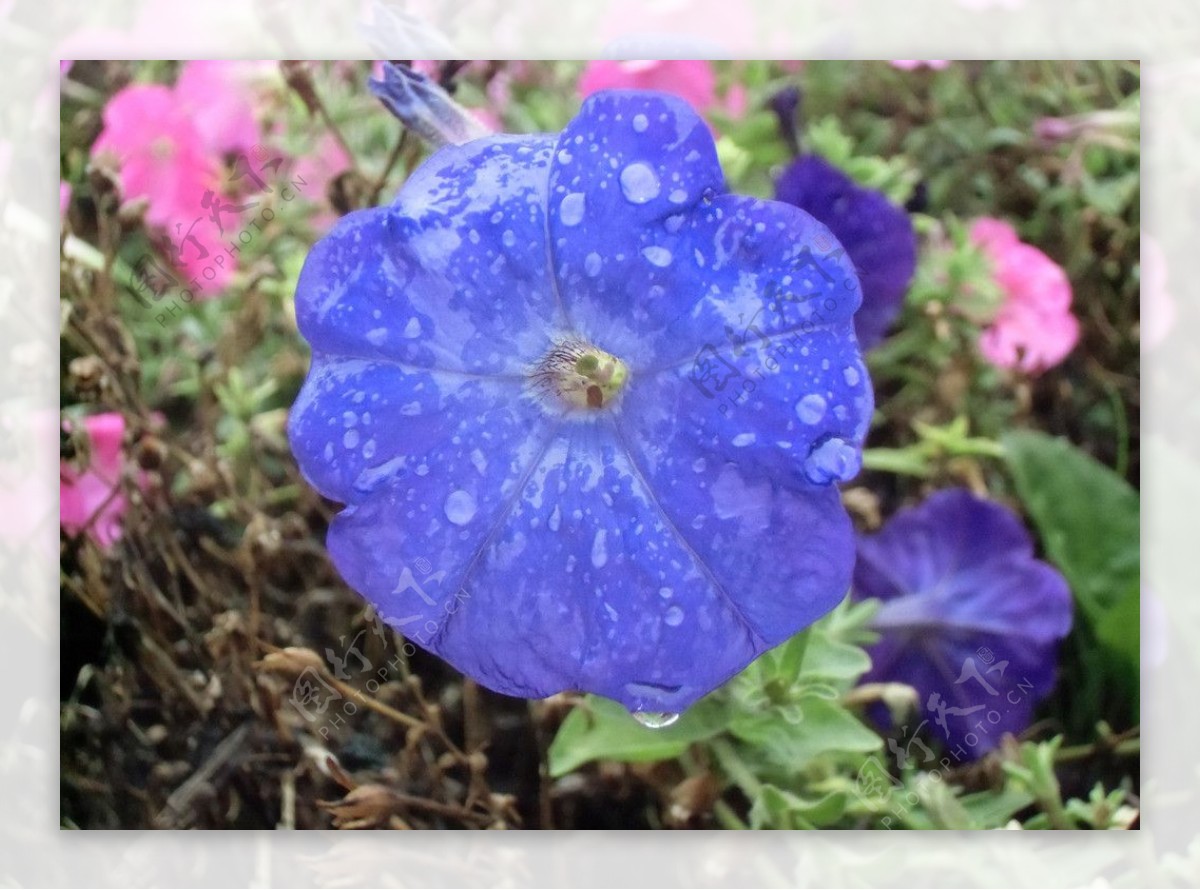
(460, 507)
(674, 616)
(591, 264)
(851, 374)
(811, 408)
(350, 440)
(508, 238)
(834, 460)
(600, 549)
(570, 211)
(640, 123)
(639, 183)
(655, 719)
(677, 196)
(741, 440)
(412, 330)
(658, 256)
(699, 464)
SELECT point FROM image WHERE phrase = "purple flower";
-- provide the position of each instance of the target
(969, 617)
(585, 408)
(876, 233)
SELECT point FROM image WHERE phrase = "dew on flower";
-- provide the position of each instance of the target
(833, 460)
(571, 208)
(658, 256)
(460, 507)
(811, 408)
(639, 183)
(600, 549)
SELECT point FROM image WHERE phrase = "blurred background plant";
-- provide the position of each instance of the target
(217, 673)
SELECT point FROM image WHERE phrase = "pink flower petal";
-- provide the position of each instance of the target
(218, 99)
(692, 80)
(92, 499)
(1034, 328)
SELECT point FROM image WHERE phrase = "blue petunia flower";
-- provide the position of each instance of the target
(586, 409)
(969, 617)
(877, 235)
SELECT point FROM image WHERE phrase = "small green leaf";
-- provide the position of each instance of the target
(832, 659)
(776, 808)
(824, 727)
(601, 729)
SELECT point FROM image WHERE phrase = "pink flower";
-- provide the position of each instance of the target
(692, 80)
(64, 197)
(914, 64)
(218, 97)
(160, 153)
(1034, 328)
(168, 145)
(92, 499)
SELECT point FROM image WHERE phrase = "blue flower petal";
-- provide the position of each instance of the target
(877, 235)
(453, 275)
(969, 617)
(590, 586)
(788, 407)
(653, 260)
(358, 423)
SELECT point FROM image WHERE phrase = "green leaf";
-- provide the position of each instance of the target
(601, 729)
(776, 808)
(824, 727)
(1087, 515)
(832, 659)
(1088, 519)
(943, 808)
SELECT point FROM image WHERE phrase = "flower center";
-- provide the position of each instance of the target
(581, 375)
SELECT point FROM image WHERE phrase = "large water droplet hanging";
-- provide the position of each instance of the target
(655, 719)
(833, 460)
